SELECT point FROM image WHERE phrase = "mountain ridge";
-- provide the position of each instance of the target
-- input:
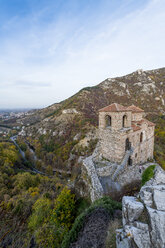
(70, 127)
(121, 89)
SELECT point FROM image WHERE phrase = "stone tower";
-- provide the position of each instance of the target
(124, 128)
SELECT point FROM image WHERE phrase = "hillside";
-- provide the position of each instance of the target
(143, 88)
(62, 132)
(58, 135)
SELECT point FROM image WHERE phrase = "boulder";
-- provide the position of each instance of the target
(159, 197)
(122, 240)
(159, 177)
(157, 226)
(146, 196)
(144, 216)
(132, 209)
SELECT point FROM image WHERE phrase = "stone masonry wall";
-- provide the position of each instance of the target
(96, 189)
(142, 150)
(112, 143)
(117, 119)
(137, 116)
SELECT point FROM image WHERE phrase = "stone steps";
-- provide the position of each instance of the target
(123, 164)
(107, 170)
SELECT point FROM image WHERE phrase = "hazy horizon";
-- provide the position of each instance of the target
(50, 49)
(40, 107)
(23, 108)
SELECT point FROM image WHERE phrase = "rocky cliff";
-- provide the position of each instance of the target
(144, 216)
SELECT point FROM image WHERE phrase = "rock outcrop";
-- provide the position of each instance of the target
(144, 216)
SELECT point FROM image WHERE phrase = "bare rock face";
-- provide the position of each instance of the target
(70, 111)
(144, 216)
(132, 209)
(157, 223)
(159, 198)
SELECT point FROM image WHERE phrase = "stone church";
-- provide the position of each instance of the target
(122, 129)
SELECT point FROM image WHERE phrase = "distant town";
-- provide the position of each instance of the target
(10, 120)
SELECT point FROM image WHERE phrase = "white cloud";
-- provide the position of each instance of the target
(65, 57)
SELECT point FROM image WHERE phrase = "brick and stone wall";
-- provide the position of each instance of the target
(137, 116)
(112, 145)
(116, 119)
(113, 139)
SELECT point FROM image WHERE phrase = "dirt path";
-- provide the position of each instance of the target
(94, 232)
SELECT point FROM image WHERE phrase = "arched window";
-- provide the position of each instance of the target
(130, 161)
(141, 137)
(124, 120)
(108, 121)
(127, 144)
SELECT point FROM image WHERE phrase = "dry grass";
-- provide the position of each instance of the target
(111, 233)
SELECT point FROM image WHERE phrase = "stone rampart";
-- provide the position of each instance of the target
(96, 189)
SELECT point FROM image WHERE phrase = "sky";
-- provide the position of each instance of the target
(50, 49)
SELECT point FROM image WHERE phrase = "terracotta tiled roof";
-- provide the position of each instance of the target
(115, 107)
(150, 124)
(135, 128)
(139, 122)
(135, 109)
(136, 125)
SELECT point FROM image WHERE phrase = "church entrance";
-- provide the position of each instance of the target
(130, 161)
(108, 121)
(127, 145)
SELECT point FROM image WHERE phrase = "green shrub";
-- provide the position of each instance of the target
(26, 180)
(19, 207)
(8, 154)
(50, 225)
(105, 202)
(64, 210)
(148, 174)
(81, 205)
(48, 235)
(22, 206)
(41, 210)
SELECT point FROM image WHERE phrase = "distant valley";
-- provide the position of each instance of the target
(53, 141)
